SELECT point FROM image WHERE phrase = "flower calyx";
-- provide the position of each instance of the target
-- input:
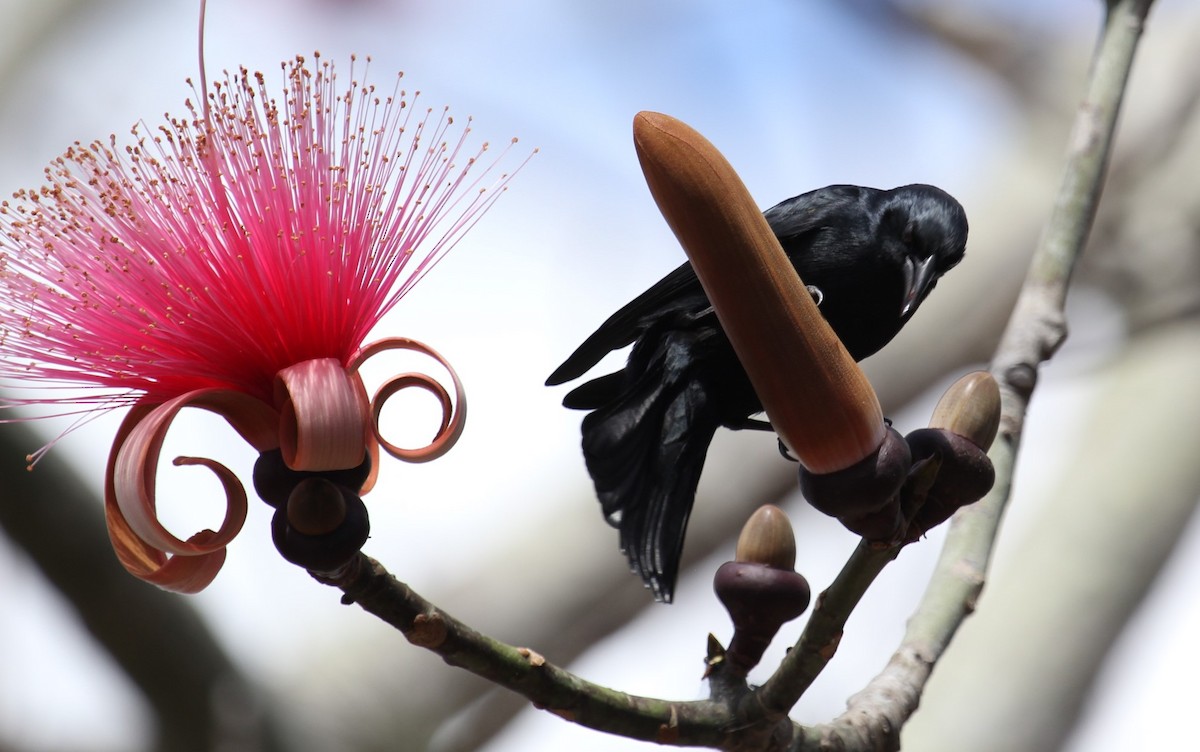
(914, 483)
(760, 590)
(318, 445)
(961, 430)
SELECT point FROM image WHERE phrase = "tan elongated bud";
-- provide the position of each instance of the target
(817, 398)
(767, 538)
(971, 409)
(962, 427)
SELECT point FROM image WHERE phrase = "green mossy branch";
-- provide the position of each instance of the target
(698, 723)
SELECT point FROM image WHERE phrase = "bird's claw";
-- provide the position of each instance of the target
(785, 452)
(750, 424)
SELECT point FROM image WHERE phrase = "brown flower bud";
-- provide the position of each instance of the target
(964, 475)
(274, 481)
(962, 428)
(312, 507)
(316, 507)
(760, 596)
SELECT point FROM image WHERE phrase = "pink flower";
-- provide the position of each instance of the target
(234, 260)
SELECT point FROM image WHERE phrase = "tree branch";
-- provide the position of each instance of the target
(819, 640)
(1035, 331)
(367, 583)
(199, 697)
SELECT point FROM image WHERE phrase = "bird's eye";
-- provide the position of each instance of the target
(909, 234)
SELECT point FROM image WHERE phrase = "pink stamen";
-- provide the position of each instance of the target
(216, 250)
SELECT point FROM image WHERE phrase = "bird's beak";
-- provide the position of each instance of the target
(919, 278)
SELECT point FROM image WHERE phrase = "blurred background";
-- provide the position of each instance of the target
(1084, 639)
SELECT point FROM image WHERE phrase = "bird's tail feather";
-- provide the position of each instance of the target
(645, 452)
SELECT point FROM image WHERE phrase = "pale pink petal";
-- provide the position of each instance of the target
(454, 415)
(323, 416)
(373, 475)
(181, 574)
(141, 542)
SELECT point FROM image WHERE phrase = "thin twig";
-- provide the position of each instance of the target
(819, 640)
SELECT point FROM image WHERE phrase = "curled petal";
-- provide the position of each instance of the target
(454, 414)
(322, 416)
(147, 549)
(422, 381)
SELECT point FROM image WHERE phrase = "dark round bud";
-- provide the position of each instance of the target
(274, 481)
(316, 507)
(864, 487)
(329, 551)
(352, 478)
(884, 524)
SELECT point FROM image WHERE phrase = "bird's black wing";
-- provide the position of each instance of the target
(678, 291)
(792, 221)
(645, 450)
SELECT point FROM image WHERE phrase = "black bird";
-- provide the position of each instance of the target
(868, 256)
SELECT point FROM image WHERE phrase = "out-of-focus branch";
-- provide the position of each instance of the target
(37, 21)
(1017, 53)
(1034, 333)
(1094, 551)
(200, 699)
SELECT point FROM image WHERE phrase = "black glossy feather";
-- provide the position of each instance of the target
(873, 255)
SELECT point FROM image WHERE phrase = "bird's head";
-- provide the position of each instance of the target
(927, 228)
